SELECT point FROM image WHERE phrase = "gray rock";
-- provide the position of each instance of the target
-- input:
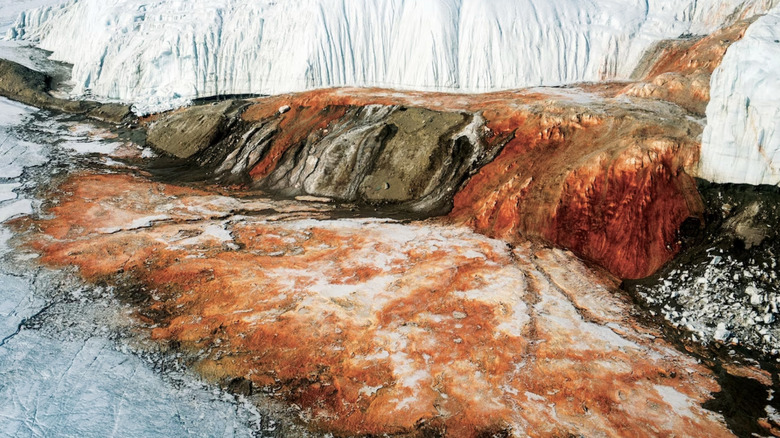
(31, 87)
(186, 132)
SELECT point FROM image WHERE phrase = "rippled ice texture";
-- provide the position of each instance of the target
(159, 54)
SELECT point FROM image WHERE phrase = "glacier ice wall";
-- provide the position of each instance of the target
(741, 143)
(168, 50)
(11, 10)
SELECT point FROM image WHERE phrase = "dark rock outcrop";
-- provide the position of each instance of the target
(604, 177)
(31, 87)
(189, 131)
(393, 156)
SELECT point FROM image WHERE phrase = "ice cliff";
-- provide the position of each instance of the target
(168, 51)
(741, 143)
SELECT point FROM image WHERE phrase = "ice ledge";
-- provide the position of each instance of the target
(741, 143)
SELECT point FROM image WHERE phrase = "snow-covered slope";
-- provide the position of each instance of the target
(160, 51)
(741, 143)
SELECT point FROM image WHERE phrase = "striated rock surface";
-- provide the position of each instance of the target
(355, 150)
(374, 327)
(607, 181)
(604, 177)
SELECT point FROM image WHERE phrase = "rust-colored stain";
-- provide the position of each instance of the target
(681, 70)
(377, 327)
(610, 187)
(599, 175)
(700, 55)
(581, 168)
(295, 126)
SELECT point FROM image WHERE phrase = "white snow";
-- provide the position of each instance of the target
(680, 403)
(165, 52)
(7, 191)
(14, 209)
(772, 414)
(90, 147)
(721, 333)
(217, 232)
(741, 143)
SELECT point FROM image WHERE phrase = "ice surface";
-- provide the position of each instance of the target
(12, 113)
(13, 209)
(90, 147)
(741, 143)
(165, 52)
(16, 303)
(7, 191)
(15, 154)
(88, 389)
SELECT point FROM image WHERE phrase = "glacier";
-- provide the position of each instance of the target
(18, 50)
(11, 10)
(741, 143)
(161, 54)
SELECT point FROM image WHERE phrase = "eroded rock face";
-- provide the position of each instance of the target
(183, 134)
(605, 177)
(382, 153)
(599, 169)
(375, 327)
(607, 182)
